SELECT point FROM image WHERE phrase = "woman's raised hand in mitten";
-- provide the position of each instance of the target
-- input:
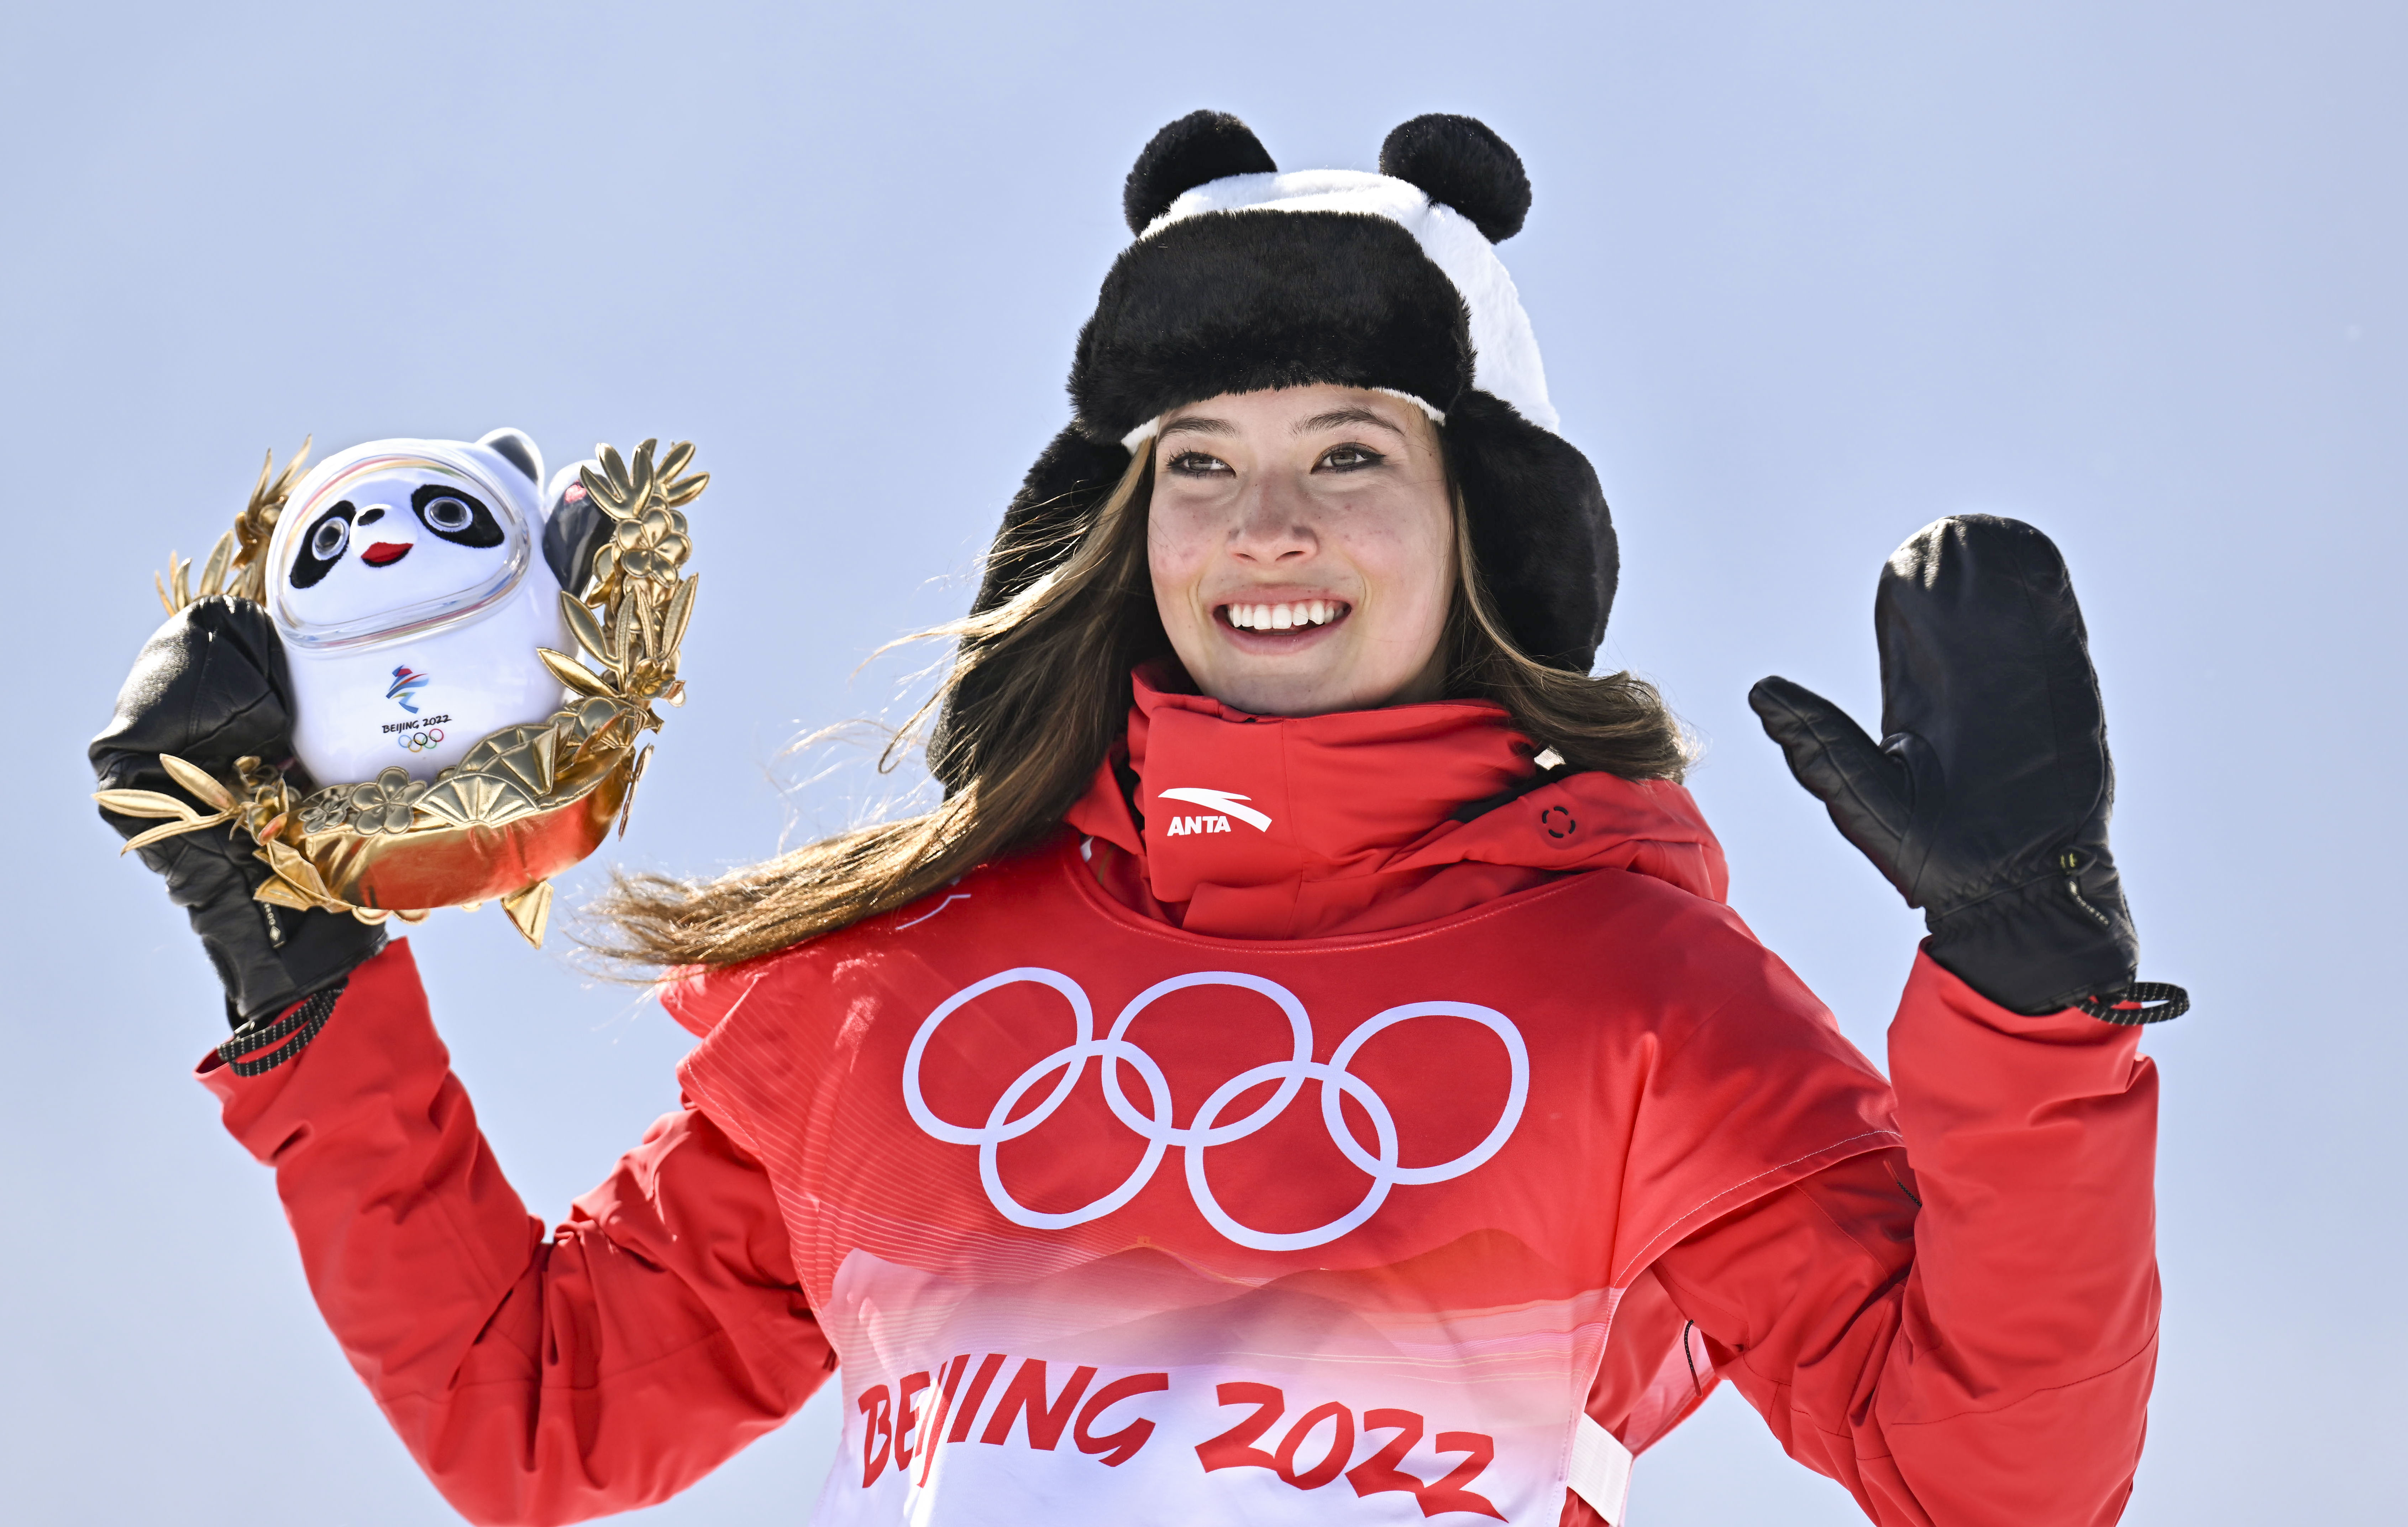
(209, 688)
(1986, 803)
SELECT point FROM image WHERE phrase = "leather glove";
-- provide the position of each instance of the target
(1987, 801)
(209, 688)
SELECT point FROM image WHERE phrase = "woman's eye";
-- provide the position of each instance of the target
(449, 515)
(1197, 464)
(328, 542)
(1350, 459)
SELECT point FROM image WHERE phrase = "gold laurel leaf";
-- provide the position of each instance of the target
(173, 829)
(144, 803)
(277, 893)
(198, 780)
(287, 860)
(681, 611)
(529, 910)
(574, 674)
(213, 576)
(583, 626)
(623, 651)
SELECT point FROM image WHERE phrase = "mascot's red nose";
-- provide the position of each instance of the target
(384, 552)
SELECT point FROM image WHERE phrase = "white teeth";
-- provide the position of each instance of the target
(1285, 617)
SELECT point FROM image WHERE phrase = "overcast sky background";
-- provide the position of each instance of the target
(1806, 277)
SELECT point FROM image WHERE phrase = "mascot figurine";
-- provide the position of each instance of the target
(458, 663)
(406, 585)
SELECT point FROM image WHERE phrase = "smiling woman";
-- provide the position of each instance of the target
(1242, 506)
(1277, 786)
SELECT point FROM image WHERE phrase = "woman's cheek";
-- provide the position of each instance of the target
(1177, 554)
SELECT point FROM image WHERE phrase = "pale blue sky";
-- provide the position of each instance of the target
(1805, 278)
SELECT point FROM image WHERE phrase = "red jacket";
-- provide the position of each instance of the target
(1411, 1132)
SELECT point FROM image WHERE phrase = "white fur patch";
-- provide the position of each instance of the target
(1505, 353)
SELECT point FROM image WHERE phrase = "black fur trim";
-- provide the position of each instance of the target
(1048, 514)
(1242, 301)
(1539, 529)
(1461, 162)
(1198, 148)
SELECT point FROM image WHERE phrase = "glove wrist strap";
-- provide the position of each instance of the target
(2142, 1001)
(295, 1030)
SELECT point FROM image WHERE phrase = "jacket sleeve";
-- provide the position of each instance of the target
(1984, 1355)
(535, 1377)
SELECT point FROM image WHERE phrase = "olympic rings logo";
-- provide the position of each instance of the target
(419, 741)
(1160, 1132)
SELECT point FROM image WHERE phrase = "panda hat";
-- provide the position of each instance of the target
(1242, 278)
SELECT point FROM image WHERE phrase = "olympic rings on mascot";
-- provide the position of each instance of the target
(419, 741)
(1158, 1131)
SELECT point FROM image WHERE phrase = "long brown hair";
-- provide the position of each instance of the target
(1038, 693)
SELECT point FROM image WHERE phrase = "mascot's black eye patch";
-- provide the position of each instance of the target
(458, 517)
(323, 546)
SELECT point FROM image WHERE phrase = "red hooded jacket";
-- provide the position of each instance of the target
(1317, 1130)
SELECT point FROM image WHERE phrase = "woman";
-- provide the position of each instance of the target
(1284, 834)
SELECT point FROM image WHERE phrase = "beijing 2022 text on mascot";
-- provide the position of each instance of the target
(1305, 1071)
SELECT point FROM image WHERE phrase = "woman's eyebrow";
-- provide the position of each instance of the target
(1339, 418)
(1200, 426)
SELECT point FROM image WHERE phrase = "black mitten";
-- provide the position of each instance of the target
(1987, 801)
(211, 687)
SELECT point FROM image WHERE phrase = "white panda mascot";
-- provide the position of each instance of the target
(409, 583)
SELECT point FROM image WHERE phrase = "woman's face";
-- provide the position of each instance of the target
(1302, 547)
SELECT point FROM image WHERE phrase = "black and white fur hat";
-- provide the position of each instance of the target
(1242, 278)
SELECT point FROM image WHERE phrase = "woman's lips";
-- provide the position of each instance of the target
(385, 552)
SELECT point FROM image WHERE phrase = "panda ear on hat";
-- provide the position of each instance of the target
(1461, 162)
(1200, 148)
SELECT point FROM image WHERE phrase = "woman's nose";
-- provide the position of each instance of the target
(1272, 526)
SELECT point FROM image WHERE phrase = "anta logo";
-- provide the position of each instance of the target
(1219, 801)
(406, 685)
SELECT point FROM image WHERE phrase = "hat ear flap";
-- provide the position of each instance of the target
(1460, 162)
(1041, 528)
(1200, 148)
(1541, 532)
(1045, 519)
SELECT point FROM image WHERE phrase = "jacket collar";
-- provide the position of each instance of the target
(1270, 826)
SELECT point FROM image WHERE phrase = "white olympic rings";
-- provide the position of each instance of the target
(1160, 1132)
